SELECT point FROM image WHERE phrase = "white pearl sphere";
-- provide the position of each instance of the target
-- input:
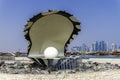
(50, 52)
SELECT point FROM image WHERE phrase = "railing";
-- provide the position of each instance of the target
(67, 64)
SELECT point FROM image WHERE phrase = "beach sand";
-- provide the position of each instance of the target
(103, 75)
(100, 75)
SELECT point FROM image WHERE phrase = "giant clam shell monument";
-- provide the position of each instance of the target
(48, 35)
(50, 29)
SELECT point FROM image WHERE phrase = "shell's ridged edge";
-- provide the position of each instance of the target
(36, 17)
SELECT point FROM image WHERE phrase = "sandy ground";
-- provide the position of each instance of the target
(104, 75)
(101, 75)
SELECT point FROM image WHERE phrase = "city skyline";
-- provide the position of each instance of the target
(97, 46)
(99, 20)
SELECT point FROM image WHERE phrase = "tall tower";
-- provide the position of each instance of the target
(96, 46)
(114, 47)
(93, 47)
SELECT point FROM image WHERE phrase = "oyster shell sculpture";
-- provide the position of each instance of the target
(54, 29)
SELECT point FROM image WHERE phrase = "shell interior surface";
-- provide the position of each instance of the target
(50, 29)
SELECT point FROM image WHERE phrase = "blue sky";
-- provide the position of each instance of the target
(100, 20)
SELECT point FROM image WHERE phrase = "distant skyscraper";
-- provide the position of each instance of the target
(103, 46)
(93, 47)
(90, 49)
(107, 45)
(99, 46)
(119, 48)
(96, 46)
(84, 48)
(114, 47)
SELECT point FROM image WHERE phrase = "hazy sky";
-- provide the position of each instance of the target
(100, 20)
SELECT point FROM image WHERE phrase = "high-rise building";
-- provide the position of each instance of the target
(99, 46)
(114, 47)
(93, 47)
(102, 46)
(107, 45)
(119, 48)
(84, 48)
(96, 46)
